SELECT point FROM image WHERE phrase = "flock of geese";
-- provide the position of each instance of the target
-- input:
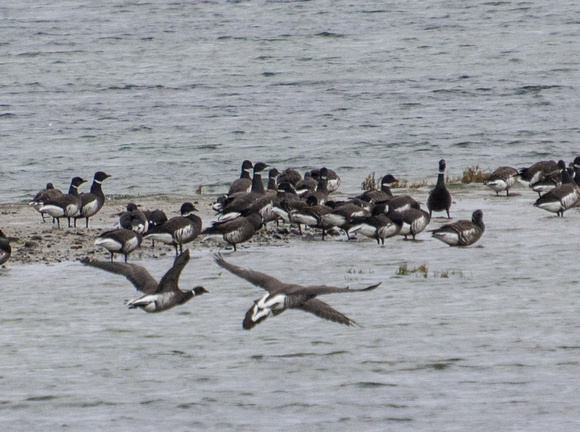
(292, 198)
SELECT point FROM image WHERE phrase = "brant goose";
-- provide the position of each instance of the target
(439, 198)
(289, 175)
(462, 232)
(502, 179)
(121, 240)
(561, 198)
(307, 184)
(332, 178)
(322, 191)
(238, 230)
(576, 168)
(244, 183)
(66, 205)
(538, 172)
(134, 219)
(94, 200)
(178, 230)
(5, 248)
(382, 194)
(47, 194)
(413, 221)
(281, 296)
(341, 216)
(377, 226)
(550, 181)
(309, 213)
(235, 205)
(158, 296)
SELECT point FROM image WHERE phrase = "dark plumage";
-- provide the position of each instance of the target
(178, 230)
(94, 200)
(159, 296)
(134, 219)
(561, 198)
(537, 173)
(238, 230)
(439, 199)
(244, 183)
(5, 248)
(377, 226)
(67, 205)
(282, 296)
(502, 179)
(121, 240)
(462, 232)
(47, 194)
(382, 194)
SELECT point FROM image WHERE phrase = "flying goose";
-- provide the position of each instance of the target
(281, 296)
(159, 296)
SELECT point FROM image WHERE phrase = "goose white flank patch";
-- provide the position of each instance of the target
(502, 179)
(121, 240)
(462, 232)
(159, 296)
(281, 296)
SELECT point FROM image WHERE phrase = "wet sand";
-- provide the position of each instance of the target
(39, 242)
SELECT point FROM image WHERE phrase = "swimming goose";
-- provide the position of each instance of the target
(5, 248)
(66, 205)
(462, 232)
(281, 296)
(178, 230)
(121, 240)
(561, 198)
(159, 296)
(44, 195)
(94, 200)
(502, 179)
(439, 198)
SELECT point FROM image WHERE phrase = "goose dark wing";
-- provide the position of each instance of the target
(169, 281)
(324, 289)
(136, 274)
(325, 311)
(259, 279)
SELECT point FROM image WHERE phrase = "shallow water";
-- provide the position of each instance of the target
(488, 340)
(167, 97)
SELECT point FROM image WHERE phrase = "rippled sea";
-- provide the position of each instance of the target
(170, 96)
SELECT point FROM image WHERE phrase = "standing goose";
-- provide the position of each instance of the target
(377, 226)
(382, 194)
(561, 198)
(134, 219)
(66, 205)
(121, 240)
(439, 198)
(158, 297)
(281, 296)
(502, 179)
(94, 200)
(5, 248)
(234, 206)
(47, 194)
(178, 230)
(238, 230)
(538, 172)
(462, 232)
(244, 183)
(413, 221)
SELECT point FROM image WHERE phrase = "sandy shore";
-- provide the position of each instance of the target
(39, 242)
